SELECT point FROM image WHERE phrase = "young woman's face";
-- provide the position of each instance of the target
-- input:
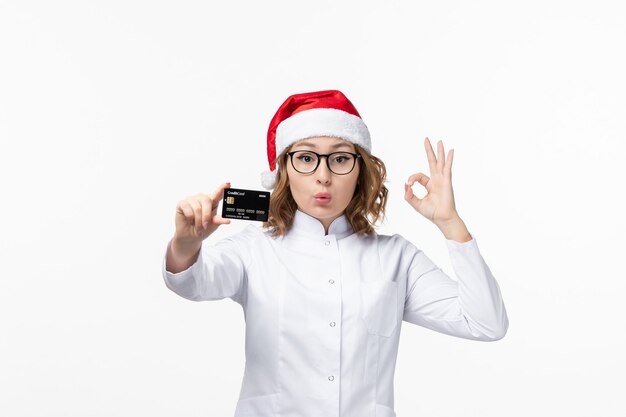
(322, 194)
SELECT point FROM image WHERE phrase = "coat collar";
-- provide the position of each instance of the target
(308, 226)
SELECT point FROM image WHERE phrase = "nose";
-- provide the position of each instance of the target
(322, 173)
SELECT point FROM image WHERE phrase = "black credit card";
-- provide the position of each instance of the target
(245, 204)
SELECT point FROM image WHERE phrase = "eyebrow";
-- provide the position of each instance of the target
(312, 145)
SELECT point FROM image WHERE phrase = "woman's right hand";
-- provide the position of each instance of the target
(196, 216)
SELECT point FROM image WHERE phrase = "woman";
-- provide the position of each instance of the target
(323, 294)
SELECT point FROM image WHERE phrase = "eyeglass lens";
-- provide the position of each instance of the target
(338, 162)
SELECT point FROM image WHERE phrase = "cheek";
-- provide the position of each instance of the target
(350, 187)
(355, 179)
(293, 183)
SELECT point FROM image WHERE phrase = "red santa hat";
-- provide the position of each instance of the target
(306, 115)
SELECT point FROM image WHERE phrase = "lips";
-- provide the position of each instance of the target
(322, 198)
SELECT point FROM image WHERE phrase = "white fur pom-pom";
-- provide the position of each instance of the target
(268, 179)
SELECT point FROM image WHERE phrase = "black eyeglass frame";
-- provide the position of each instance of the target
(319, 159)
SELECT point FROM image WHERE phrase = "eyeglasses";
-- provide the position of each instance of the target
(340, 163)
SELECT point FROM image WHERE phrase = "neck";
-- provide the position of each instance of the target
(326, 222)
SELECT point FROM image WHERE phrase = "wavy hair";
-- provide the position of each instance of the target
(364, 210)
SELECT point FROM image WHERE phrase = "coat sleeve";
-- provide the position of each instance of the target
(218, 272)
(471, 308)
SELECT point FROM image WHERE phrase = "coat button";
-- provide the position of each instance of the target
(330, 378)
(331, 281)
(327, 243)
(332, 324)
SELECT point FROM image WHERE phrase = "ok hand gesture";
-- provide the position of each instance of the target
(438, 204)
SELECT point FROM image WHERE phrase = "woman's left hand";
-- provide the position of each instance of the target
(438, 204)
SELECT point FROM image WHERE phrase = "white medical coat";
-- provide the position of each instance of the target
(323, 312)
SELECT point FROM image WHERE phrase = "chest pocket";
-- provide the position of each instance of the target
(379, 306)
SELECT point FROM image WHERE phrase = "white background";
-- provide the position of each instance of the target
(113, 111)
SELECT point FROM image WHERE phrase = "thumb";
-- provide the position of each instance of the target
(220, 220)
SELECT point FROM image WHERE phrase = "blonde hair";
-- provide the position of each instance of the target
(364, 210)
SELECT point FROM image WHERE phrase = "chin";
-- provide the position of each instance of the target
(321, 211)
(326, 212)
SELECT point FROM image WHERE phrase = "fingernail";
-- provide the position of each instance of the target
(205, 225)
